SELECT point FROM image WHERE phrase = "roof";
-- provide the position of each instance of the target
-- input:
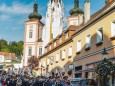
(96, 15)
(8, 55)
(92, 19)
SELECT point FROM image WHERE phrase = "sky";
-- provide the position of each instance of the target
(13, 14)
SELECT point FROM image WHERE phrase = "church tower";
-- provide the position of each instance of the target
(77, 14)
(54, 20)
(33, 36)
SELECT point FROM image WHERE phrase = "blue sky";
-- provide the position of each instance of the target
(13, 13)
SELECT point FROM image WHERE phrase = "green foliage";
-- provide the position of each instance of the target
(4, 46)
(12, 47)
(105, 67)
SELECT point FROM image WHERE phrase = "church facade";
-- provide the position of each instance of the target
(37, 35)
(33, 36)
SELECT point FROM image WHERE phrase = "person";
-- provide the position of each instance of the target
(19, 82)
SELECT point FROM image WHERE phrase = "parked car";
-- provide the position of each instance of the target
(82, 82)
(87, 82)
(75, 81)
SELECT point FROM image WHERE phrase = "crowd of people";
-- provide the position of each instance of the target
(26, 80)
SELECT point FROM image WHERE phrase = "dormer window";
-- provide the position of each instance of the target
(60, 40)
(67, 35)
(50, 47)
(54, 44)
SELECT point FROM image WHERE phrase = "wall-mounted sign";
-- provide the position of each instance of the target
(70, 67)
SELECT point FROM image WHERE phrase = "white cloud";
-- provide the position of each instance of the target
(16, 8)
(4, 17)
(43, 19)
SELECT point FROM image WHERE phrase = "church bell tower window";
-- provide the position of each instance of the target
(30, 34)
(29, 51)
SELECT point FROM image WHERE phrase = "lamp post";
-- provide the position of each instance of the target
(41, 70)
(104, 53)
(104, 68)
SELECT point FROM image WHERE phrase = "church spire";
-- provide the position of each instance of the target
(35, 15)
(76, 10)
(76, 4)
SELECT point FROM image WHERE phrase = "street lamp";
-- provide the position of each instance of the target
(63, 70)
(104, 53)
(41, 70)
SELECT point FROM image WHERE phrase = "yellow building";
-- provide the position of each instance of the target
(76, 51)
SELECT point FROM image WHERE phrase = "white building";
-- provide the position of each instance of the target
(36, 35)
(54, 21)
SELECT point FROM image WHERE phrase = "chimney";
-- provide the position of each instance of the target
(108, 1)
(87, 10)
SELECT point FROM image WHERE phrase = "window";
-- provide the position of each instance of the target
(48, 61)
(113, 28)
(57, 71)
(63, 54)
(44, 63)
(50, 47)
(88, 41)
(40, 51)
(29, 51)
(79, 46)
(67, 35)
(60, 40)
(60, 53)
(54, 44)
(100, 35)
(57, 57)
(63, 69)
(70, 51)
(30, 34)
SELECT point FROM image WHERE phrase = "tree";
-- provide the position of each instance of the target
(12, 47)
(16, 47)
(33, 62)
(3, 46)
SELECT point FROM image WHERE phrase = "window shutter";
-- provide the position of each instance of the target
(63, 54)
(113, 28)
(99, 35)
(79, 46)
(88, 41)
(70, 51)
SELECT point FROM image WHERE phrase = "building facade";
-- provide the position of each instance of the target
(77, 50)
(33, 36)
(54, 21)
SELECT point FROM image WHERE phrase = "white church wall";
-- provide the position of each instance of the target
(33, 29)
